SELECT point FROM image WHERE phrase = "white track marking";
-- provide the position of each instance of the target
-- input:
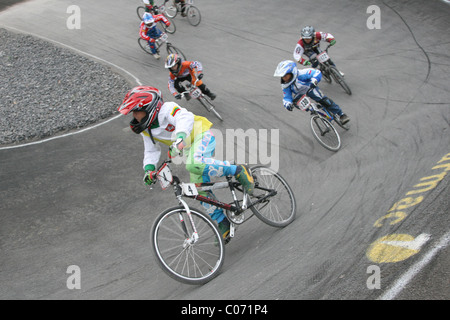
(403, 281)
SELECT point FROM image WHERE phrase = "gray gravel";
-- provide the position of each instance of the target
(46, 89)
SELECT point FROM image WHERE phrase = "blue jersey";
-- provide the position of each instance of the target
(301, 85)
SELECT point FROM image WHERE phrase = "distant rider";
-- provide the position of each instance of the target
(183, 7)
(295, 83)
(148, 4)
(180, 71)
(309, 44)
(150, 32)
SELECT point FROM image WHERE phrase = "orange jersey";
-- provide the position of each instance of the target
(186, 68)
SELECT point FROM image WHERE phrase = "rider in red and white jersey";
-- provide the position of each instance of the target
(150, 32)
(309, 44)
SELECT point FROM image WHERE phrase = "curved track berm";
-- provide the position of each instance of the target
(79, 200)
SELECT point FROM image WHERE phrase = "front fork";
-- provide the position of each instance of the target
(190, 239)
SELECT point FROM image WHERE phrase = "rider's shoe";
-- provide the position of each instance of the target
(156, 56)
(342, 74)
(211, 95)
(344, 118)
(224, 228)
(243, 175)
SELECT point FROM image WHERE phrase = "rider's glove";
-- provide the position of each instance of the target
(178, 96)
(289, 106)
(314, 83)
(200, 76)
(176, 148)
(332, 42)
(306, 63)
(149, 177)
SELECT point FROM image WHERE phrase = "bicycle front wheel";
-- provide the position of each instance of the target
(172, 49)
(178, 253)
(145, 46)
(206, 102)
(277, 210)
(140, 12)
(325, 73)
(325, 133)
(340, 79)
(193, 15)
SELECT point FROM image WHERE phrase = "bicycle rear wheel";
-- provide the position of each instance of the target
(206, 102)
(325, 133)
(193, 15)
(340, 79)
(172, 49)
(170, 29)
(278, 210)
(178, 255)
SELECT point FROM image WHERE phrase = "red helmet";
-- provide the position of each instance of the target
(142, 98)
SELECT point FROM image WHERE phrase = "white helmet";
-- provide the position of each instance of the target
(283, 68)
(148, 18)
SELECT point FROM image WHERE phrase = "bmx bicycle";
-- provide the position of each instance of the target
(321, 123)
(329, 71)
(170, 48)
(192, 12)
(187, 243)
(140, 10)
(194, 92)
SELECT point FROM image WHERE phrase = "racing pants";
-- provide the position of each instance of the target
(202, 167)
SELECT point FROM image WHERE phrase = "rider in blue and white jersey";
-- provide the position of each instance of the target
(295, 83)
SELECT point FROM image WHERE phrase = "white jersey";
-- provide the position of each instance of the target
(172, 119)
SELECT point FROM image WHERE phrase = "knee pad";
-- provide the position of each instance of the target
(326, 102)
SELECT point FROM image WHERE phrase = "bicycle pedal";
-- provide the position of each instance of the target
(232, 229)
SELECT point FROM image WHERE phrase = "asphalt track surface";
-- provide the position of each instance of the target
(79, 200)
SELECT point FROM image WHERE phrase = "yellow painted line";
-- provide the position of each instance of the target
(398, 247)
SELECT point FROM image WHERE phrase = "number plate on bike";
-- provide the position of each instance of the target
(304, 103)
(323, 57)
(164, 37)
(196, 93)
(189, 189)
(165, 177)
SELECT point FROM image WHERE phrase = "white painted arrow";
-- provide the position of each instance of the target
(416, 244)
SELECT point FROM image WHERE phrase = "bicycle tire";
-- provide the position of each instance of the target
(206, 102)
(172, 49)
(144, 46)
(278, 210)
(325, 74)
(169, 29)
(339, 79)
(325, 133)
(171, 11)
(140, 12)
(193, 15)
(191, 263)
